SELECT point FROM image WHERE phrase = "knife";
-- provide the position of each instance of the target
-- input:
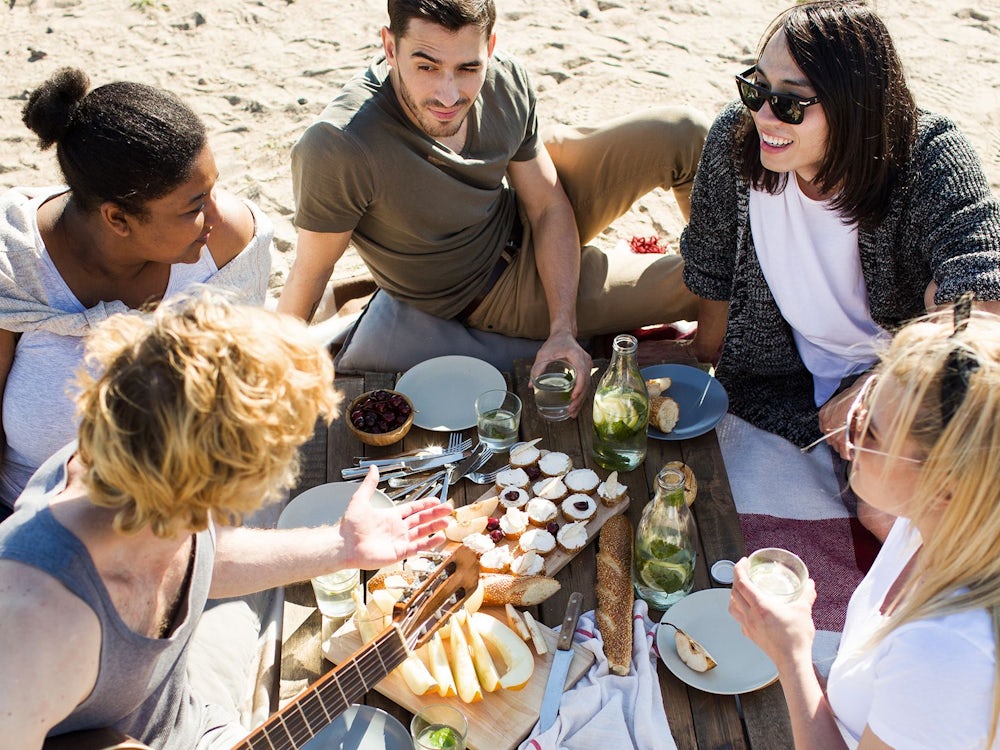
(479, 456)
(560, 663)
(414, 467)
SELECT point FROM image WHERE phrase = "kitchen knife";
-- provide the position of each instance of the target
(560, 663)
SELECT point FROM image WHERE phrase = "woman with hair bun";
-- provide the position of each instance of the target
(139, 219)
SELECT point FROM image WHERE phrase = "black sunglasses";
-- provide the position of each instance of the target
(787, 108)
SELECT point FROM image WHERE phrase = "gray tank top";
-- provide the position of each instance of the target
(142, 686)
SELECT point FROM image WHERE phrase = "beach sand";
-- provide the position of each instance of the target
(260, 72)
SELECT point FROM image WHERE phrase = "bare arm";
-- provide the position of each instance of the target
(8, 343)
(713, 316)
(49, 654)
(248, 560)
(234, 230)
(315, 257)
(557, 256)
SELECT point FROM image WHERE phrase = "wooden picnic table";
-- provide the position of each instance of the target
(756, 720)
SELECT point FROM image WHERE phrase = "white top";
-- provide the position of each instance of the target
(811, 261)
(38, 412)
(928, 684)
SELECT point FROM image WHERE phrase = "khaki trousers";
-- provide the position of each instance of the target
(604, 171)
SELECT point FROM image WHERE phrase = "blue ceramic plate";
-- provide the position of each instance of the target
(701, 399)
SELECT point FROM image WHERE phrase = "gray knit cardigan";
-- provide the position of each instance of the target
(943, 224)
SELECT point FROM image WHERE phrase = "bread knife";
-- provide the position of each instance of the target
(560, 663)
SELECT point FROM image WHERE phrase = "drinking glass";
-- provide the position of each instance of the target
(553, 388)
(439, 727)
(778, 572)
(333, 592)
(498, 415)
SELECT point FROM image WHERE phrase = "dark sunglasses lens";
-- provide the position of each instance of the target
(752, 98)
(787, 109)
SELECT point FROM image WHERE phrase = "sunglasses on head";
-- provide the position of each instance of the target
(786, 107)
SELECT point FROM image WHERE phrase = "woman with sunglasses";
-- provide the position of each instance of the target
(827, 210)
(917, 664)
(139, 219)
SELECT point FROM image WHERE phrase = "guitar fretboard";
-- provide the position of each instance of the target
(306, 715)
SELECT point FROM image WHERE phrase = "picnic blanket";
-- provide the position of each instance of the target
(800, 501)
(604, 709)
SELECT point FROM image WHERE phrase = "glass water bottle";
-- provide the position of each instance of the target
(663, 563)
(621, 410)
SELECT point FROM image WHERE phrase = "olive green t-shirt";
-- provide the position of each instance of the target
(429, 223)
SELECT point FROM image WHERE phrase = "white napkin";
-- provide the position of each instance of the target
(604, 709)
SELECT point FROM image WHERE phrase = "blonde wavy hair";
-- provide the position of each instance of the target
(958, 568)
(196, 411)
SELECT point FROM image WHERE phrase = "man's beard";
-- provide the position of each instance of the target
(428, 123)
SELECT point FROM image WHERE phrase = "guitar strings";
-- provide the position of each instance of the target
(291, 727)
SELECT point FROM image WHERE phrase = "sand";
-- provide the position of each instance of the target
(260, 71)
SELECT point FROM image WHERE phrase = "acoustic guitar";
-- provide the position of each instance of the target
(414, 621)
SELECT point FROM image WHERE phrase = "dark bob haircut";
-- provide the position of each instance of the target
(846, 52)
(123, 142)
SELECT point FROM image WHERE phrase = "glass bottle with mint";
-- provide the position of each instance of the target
(663, 563)
(621, 410)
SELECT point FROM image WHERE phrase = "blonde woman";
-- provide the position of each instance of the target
(917, 665)
(191, 417)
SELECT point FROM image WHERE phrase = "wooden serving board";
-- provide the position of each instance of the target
(502, 719)
(559, 558)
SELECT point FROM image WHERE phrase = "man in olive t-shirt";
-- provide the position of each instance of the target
(431, 162)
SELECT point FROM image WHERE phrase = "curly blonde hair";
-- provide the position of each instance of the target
(196, 411)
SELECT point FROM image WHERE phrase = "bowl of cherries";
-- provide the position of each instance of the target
(380, 417)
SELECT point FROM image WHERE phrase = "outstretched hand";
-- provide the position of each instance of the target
(375, 537)
(565, 346)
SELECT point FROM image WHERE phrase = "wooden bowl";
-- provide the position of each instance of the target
(379, 438)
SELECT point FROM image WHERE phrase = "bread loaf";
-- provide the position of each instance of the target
(663, 413)
(521, 591)
(690, 483)
(614, 593)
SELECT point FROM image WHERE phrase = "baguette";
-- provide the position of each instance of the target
(663, 413)
(690, 483)
(614, 593)
(521, 591)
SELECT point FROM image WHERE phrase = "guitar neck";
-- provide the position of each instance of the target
(321, 703)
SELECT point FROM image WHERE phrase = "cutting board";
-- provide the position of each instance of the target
(558, 558)
(502, 719)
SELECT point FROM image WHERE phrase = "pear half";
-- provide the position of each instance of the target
(691, 652)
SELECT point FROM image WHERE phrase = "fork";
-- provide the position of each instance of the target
(454, 440)
(485, 477)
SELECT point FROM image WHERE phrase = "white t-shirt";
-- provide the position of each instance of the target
(39, 416)
(927, 684)
(811, 261)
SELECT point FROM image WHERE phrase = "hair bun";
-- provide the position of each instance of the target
(51, 106)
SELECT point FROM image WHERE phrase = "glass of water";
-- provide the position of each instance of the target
(333, 592)
(498, 416)
(553, 388)
(778, 572)
(439, 727)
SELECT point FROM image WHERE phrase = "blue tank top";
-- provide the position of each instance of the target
(142, 686)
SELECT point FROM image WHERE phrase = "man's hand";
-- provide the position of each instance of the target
(374, 537)
(563, 345)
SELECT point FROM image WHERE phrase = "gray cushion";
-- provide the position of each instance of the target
(391, 336)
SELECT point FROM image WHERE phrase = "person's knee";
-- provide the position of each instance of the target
(683, 128)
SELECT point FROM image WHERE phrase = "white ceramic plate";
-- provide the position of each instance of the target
(444, 390)
(324, 505)
(701, 400)
(362, 728)
(704, 615)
